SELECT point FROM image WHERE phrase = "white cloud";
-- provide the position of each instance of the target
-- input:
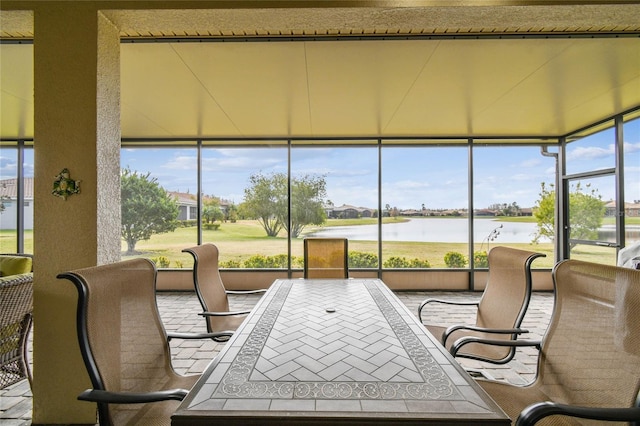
(410, 185)
(522, 177)
(590, 153)
(242, 160)
(532, 162)
(8, 167)
(630, 147)
(181, 163)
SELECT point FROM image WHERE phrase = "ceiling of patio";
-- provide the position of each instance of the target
(348, 80)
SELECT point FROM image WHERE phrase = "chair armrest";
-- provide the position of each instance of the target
(486, 330)
(447, 302)
(96, 395)
(221, 336)
(222, 314)
(448, 331)
(512, 343)
(535, 412)
(262, 290)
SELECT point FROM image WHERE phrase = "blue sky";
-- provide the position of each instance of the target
(436, 177)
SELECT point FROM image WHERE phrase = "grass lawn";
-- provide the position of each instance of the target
(8, 241)
(236, 242)
(242, 239)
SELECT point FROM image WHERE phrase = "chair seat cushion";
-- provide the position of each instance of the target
(14, 265)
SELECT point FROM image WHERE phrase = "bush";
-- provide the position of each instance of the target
(161, 262)
(403, 263)
(278, 261)
(359, 259)
(211, 226)
(396, 262)
(179, 263)
(256, 261)
(419, 263)
(297, 261)
(455, 260)
(480, 259)
(259, 261)
(230, 264)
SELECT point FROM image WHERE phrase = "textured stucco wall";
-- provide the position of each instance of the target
(71, 97)
(108, 143)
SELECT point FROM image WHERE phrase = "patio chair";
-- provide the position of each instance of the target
(16, 307)
(211, 292)
(124, 344)
(326, 258)
(500, 310)
(629, 257)
(589, 362)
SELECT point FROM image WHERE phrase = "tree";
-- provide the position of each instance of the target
(232, 213)
(586, 211)
(505, 209)
(3, 199)
(147, 208)
(261, 202)
(211, 210)
(267, 200)
(307, 200)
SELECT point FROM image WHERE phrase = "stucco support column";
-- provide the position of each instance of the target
(77, 127)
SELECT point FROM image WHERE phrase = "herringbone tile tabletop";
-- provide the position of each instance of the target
(318, 348)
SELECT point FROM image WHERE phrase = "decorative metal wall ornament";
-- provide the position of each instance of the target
(63, 185)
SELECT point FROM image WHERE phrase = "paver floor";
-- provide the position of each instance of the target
(179, 313)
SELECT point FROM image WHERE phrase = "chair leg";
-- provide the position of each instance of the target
(26, 329)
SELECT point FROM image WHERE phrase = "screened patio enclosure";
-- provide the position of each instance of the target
(427, 100)
(457, 99)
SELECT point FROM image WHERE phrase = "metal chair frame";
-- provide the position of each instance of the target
(589, 362)
(500, 310)
(118, 301)
(211, 291)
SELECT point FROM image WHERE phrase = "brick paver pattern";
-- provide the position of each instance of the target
(179, 313)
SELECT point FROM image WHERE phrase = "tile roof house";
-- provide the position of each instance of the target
(630, 209)
(9, 202)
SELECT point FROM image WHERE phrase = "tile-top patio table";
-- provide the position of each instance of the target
(328, 352)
